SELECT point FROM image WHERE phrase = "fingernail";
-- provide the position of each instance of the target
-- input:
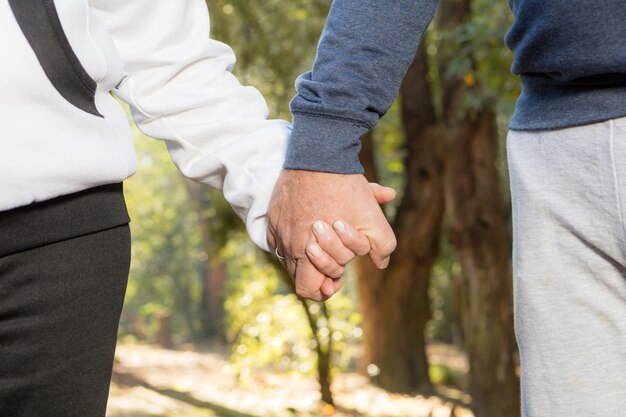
(319, 226)
(314, 250)
(339, 226)
(385, 263)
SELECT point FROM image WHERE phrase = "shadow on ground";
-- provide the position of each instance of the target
(130, 380)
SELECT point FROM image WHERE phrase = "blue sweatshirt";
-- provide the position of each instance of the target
(570, 55)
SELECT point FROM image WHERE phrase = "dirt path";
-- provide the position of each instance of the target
(153, 382)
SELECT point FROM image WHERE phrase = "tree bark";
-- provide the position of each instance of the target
(481, 240)
(394, 302)
(477, 230)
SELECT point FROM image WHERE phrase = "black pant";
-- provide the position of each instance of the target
(63, 274)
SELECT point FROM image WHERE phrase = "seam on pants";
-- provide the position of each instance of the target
(616, 179)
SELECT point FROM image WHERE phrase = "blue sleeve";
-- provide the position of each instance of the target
(363, 54)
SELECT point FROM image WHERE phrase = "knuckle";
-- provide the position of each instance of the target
(351, 240)
(322, 263)
(364, 249)
(355, 243)
(326, 240)
(346, 258)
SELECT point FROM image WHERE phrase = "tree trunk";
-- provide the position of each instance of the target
(482, 243)
(478, 233)
(394, 302)
(164, 331)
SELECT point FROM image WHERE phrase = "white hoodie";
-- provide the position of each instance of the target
(63, 132)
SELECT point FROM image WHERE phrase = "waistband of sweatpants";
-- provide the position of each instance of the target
(62, 218)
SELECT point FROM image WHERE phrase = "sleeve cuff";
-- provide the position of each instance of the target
(325, 144)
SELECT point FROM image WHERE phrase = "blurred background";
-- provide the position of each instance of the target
(211, 327)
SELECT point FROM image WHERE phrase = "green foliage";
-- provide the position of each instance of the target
(389, 143)
(475, 52)
(274, 41)
(267, 323)
(166, 245)
(443, 375)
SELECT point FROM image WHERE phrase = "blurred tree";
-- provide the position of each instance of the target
(163, 289)
(394, 302)
(476, 225)
(451, 118)
(274, 41)
(215, 219)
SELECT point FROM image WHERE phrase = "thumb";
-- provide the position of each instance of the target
(383, 195)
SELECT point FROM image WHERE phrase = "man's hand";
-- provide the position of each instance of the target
(300, 200)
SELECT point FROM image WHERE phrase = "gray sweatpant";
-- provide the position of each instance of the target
(569, 261)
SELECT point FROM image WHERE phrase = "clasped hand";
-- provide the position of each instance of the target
(318, 222)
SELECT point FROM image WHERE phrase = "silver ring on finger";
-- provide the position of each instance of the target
(279, 256)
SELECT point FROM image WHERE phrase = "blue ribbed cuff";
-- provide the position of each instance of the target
(325, 144)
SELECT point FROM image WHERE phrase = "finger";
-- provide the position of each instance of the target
(351, 238)
(272, 241)
(330, 243)
(382, 240)
(328, 287)
(331, 286)
(382, 194)
(308, 281)
(381, 252)
(323, 262)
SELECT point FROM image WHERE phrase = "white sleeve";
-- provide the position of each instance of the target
(181, 90)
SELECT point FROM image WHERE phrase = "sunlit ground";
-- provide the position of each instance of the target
(152, 382)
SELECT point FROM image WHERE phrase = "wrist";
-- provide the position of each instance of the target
(325, 144)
